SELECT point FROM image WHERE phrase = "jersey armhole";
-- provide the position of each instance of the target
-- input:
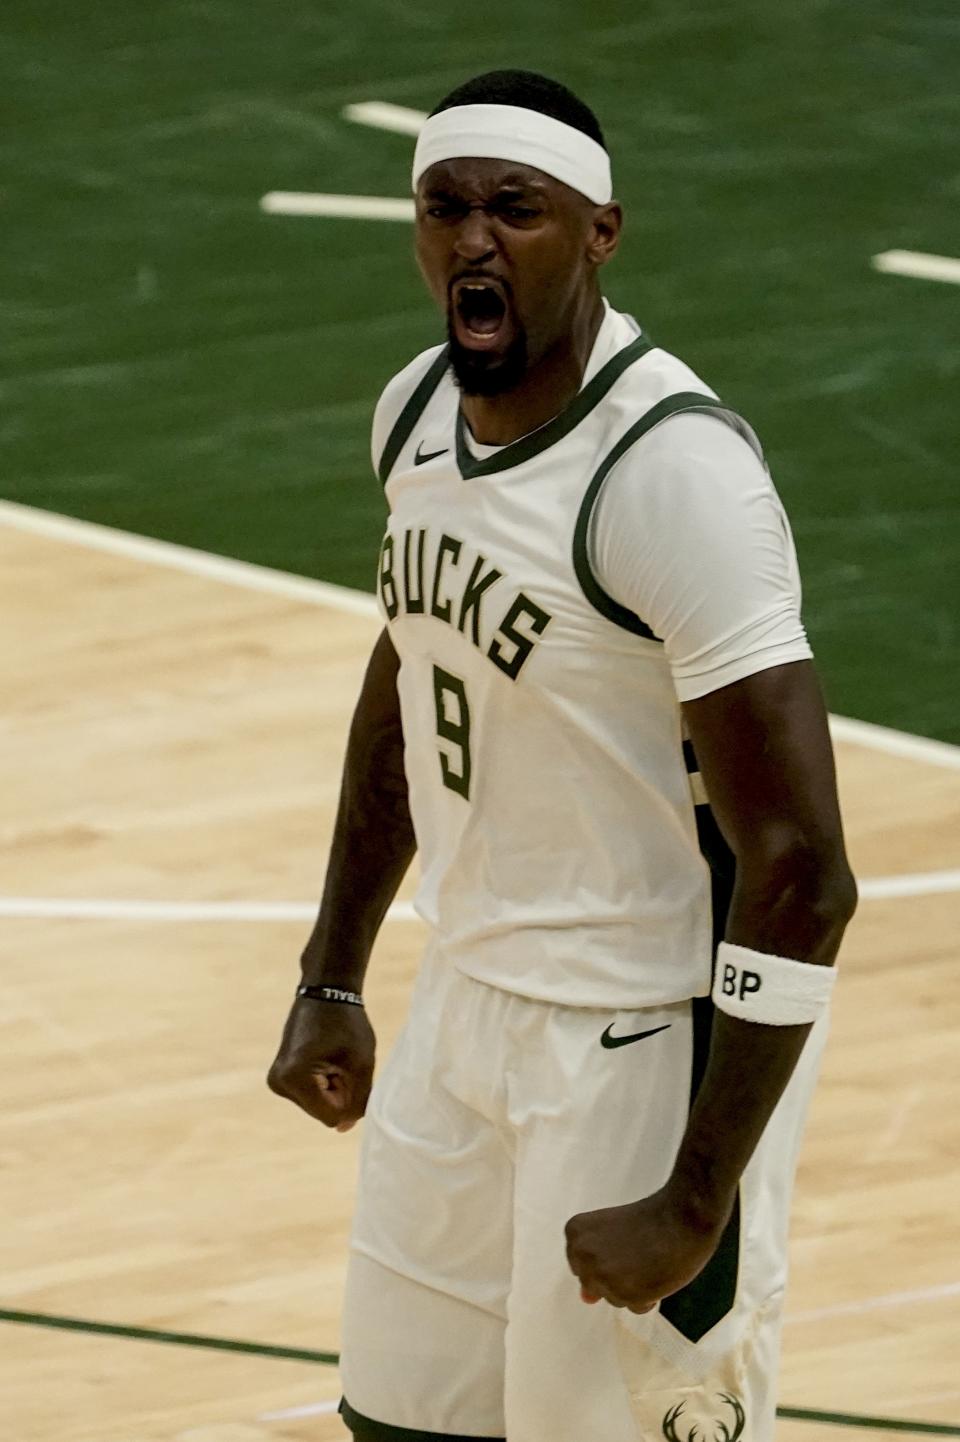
(415, 405)
(678, 404)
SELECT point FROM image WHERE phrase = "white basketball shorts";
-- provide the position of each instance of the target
(495, 1119)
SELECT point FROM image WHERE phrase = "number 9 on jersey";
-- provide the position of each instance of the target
(453, 727)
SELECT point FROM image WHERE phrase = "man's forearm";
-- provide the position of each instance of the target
(764, 753)
(373, 839)
(800, 915)
(748, 1068)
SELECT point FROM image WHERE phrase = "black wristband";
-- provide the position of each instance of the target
(330, 993)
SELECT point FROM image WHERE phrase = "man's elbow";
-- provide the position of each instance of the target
(835, 896)
(810, 881)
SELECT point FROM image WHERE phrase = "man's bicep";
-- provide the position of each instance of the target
(764, 752)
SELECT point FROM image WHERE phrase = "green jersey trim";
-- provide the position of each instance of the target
(682, 401)
(411, 413)
(529, 446)
(705, 1301)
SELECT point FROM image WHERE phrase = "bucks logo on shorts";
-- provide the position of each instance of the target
(692, 1431)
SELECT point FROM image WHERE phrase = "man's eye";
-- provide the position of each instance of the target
(520, 212)
(444, 212)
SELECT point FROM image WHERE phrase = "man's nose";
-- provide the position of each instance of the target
(474, 240)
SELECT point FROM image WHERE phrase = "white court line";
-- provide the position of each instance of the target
(895, 743)
(384, 116)
(185, 558)
(360, 603)
(51, 908)
(877, 1304)
(345, 207)
(309, 1409)
(918, 265)
(921, 883)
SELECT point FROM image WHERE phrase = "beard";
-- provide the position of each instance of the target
(485, 373)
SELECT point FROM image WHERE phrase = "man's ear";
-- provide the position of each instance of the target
(604, 234)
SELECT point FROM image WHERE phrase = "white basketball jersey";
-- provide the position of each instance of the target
(549, 790)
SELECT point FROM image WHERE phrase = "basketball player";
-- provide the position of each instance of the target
(576, 1167)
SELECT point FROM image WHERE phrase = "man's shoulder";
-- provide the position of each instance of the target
(404, 383)
(660, 373)
(395, 395)
(647, 389)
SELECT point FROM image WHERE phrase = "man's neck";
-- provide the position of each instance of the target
(546, 389)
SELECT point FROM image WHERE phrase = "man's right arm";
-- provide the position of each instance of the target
(325, 1061)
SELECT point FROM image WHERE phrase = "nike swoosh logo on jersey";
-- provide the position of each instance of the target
(611, 1041)
(421, 459)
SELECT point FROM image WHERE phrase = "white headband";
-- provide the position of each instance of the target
(510, 132)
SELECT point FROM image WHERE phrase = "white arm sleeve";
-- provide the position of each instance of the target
(689, 534)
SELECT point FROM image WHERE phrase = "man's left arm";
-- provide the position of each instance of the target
(764, 753)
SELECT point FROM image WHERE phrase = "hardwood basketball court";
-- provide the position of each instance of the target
(172, 733)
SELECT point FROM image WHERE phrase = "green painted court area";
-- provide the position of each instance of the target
(179, 364)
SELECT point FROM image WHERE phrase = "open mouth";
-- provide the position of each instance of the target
(480, 313)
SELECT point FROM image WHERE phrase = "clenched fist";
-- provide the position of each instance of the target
(325, 1061)
(634, 1256)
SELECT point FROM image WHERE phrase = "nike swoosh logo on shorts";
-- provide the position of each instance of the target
(610, 1041)
(420, 459)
